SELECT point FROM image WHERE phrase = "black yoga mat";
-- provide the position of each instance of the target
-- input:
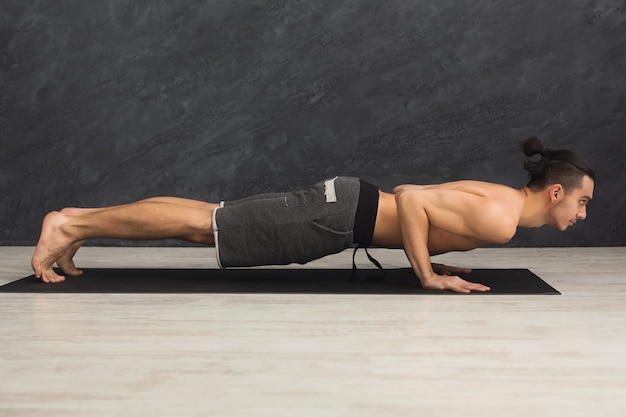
(272, 281)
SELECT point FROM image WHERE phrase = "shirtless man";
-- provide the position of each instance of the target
(425, 220)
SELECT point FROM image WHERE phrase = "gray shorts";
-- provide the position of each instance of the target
(284, 228)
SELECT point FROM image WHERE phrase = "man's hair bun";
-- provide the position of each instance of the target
(533, 146)
(555, 166)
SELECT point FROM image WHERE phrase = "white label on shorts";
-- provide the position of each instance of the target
(329, 191)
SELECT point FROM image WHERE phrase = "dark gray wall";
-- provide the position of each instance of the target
(104, 102)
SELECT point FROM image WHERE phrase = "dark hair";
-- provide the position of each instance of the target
(554, 167)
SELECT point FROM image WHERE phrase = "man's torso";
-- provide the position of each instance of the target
(387, 232)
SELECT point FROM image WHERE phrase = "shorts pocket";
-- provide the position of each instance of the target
(337, 225)
(324, 240)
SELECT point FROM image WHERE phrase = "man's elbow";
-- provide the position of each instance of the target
(398, 189)
(400, 193)
(404, 189)
(406, 197)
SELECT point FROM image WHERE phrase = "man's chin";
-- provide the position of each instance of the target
(561, 228)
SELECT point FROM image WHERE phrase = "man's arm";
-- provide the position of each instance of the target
(458, 212)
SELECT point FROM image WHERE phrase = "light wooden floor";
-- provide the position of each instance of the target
(320, 355)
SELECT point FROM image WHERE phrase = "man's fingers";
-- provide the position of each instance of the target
(450, 270)
(458, 270)
(460, 285)
(473, 286)
(453, 283)
(479, 287)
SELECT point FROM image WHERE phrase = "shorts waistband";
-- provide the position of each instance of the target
(365, 217)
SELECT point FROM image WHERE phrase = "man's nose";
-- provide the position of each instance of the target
(582, 213)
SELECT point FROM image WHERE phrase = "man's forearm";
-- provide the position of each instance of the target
(414, 226)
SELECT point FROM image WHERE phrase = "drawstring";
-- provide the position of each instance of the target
(372, 260)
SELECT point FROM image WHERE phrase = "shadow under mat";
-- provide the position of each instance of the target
(272, 281)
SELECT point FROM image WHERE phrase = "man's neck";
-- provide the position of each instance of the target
(533, 210)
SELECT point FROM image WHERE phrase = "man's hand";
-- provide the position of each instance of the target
(442, 269)
(443, 279)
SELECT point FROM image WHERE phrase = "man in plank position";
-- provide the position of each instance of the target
(283, 228)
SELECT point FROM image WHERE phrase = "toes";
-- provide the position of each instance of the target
(49, 276)
(66, 261)
(74, 272)
(71, 270)
(68, 267)
(36, 269)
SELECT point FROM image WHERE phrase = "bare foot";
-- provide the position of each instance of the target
(53, 244)
(66, 261)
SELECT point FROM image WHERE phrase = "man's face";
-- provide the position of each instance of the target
(573, 206)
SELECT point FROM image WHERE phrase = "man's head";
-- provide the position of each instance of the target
(566, 179)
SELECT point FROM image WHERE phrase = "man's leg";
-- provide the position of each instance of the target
(63, 232)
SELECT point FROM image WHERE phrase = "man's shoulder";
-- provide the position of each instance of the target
(494, 211)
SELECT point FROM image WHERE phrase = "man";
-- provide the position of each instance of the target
(425, 220)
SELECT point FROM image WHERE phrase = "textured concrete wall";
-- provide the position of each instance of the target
(104, 102)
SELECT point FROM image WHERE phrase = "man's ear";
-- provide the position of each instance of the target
(556, 192)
